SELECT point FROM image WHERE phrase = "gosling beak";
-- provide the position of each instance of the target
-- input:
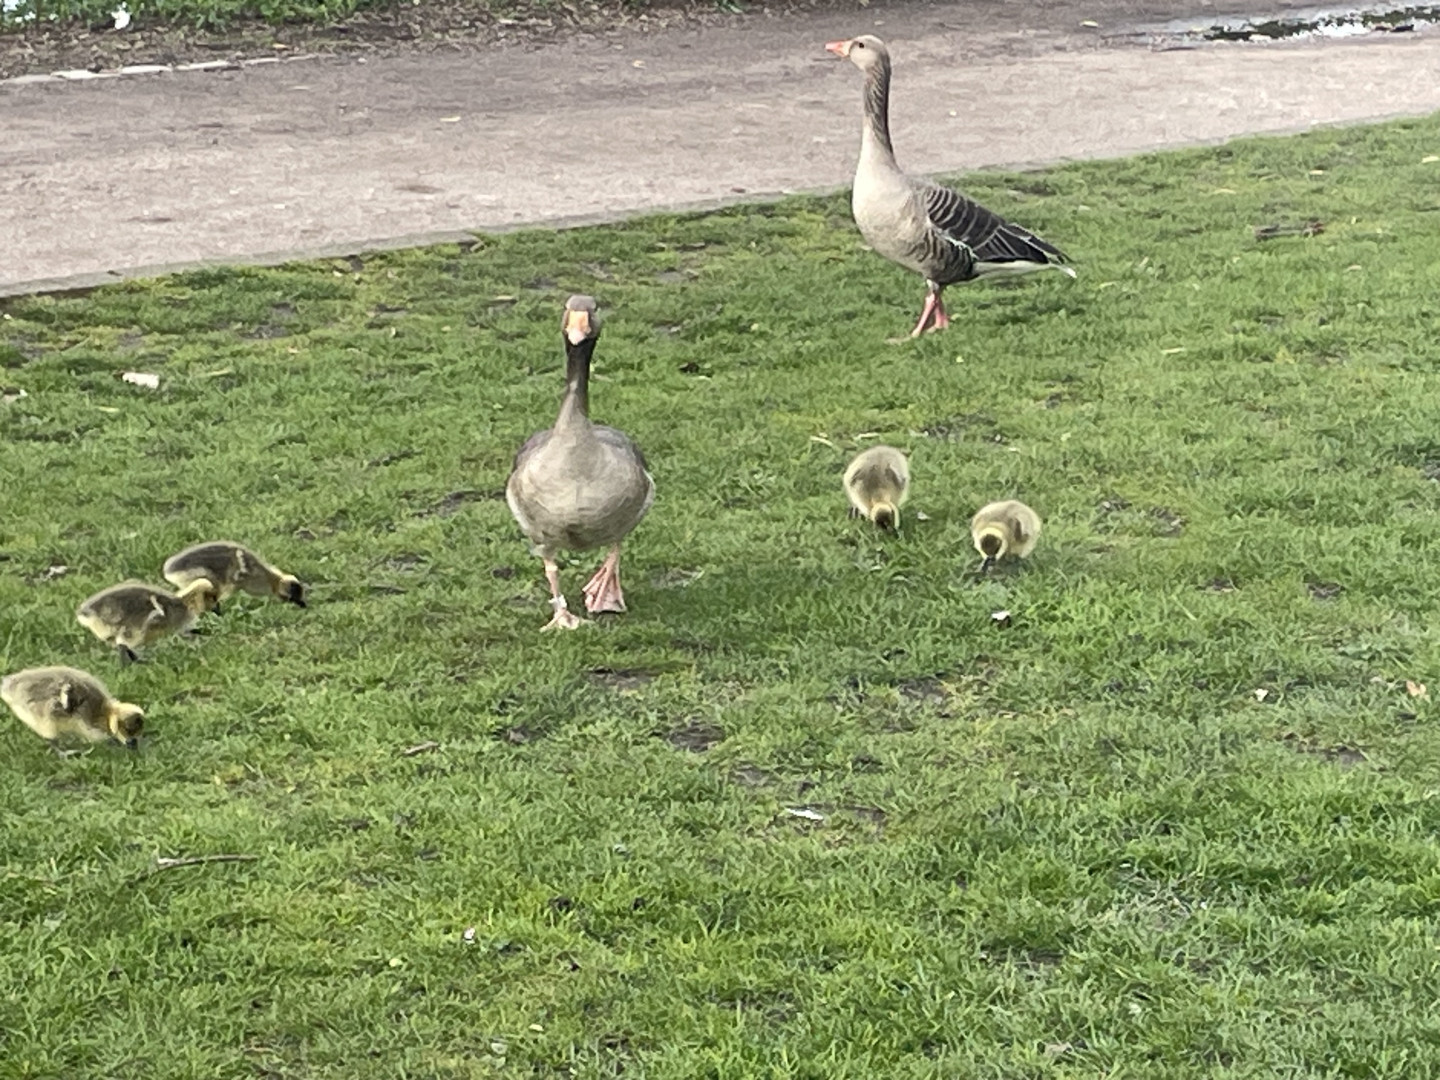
(216, 610)
(132, 744)
(839, 48)
(577, 326)
(987, 564)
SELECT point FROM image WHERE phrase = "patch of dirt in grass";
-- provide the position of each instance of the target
(1167, 522)
(404, 562)
(676, 578)
(1346, 757)
(450, 505)
(926, 690)
(695, 736)
(1116, 514)
(392, 458)
(624, 680)
(267, 332)
(1324, 590)
(872, 815)
(753, 776)
(966, 425)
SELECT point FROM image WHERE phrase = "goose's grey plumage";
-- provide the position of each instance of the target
(579, 485)
(938, 233)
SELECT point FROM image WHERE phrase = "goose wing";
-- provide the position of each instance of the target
(533, 443)
(993, 239)
(622, 442)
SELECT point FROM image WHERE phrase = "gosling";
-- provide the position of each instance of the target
(878, 482)
(63, 704)
(132, 615)
(1004, 529)
(232, 567)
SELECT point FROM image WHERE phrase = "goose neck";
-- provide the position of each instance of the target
(876, 136)
(577, 380)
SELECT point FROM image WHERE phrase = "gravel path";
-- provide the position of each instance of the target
(130, 175)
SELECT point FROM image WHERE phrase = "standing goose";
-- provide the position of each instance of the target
(579, 485)
(924, 227)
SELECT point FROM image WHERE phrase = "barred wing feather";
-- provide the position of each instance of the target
(986, 233)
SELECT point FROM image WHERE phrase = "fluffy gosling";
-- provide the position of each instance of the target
(132, 615)
(232, 567)
(61, 704)
(1004, 529)
(878, 482)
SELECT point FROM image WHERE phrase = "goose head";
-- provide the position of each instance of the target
(582, 321)
(125, 723)
(992, 544)
(865, 52)
(289, 587)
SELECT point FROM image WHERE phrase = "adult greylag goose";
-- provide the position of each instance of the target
(878, 482)
(579, 485)
(932, 230)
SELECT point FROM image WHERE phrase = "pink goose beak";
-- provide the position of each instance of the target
(839, 48)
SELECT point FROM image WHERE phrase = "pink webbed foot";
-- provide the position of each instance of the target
(602, 593)
(942, 318)
(932, 316)
(927, 313)
(564, 618)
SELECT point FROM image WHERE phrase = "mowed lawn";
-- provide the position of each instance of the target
(1178, 819)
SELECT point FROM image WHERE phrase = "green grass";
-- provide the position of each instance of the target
(222, 15)
(1086, 845)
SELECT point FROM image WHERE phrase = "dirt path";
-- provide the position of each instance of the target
(124, 176)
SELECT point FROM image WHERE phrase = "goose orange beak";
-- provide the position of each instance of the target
(577, 326)
(839, 48)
